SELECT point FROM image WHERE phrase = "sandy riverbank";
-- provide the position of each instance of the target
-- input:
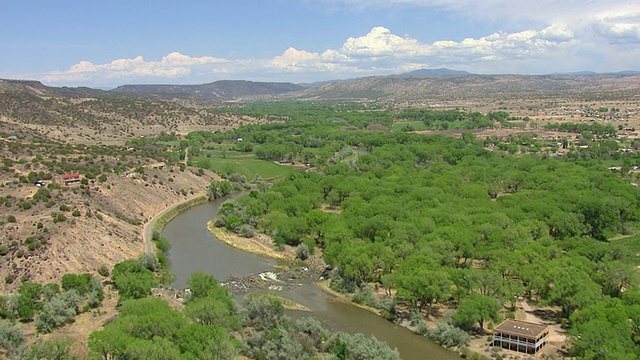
(259, 244)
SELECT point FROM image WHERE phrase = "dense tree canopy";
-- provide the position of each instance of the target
(444, 220)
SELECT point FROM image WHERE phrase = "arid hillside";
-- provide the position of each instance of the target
(30, 110)
(223, 90)
(77, 225)
(472, 87)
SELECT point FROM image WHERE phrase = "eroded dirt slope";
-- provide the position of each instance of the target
(103, 223)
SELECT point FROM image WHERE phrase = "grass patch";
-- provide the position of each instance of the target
(416, 125)
(246, 166)
(226, 154)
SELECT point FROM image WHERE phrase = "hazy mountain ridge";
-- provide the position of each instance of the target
(473, 87)
(438, 84)
(437, 72)
(37, 88)
(219, 90)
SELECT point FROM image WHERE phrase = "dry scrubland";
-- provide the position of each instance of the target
(105, 230)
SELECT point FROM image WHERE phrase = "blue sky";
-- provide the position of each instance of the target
(110, 43)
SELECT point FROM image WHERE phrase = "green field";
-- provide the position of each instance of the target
(246, 166)
(417, 125)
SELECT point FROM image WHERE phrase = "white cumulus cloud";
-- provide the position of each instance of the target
(550, 48)
(381, 42)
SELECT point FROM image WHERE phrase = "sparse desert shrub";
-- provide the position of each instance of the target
(11, 219)
(387, 306)
(364, 295)
(103, 271)
(313, 328)
(247, 230)
(58, 217)
(302, 251)
(341, 284)
(58, 311)
(149, 261)
(448, 335)
(358, 346)
(263, 312)
(10, 335)
(25, 205)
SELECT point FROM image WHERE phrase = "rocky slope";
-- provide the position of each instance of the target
(102, 226)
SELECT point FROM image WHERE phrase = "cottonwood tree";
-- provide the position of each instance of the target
(476, 309)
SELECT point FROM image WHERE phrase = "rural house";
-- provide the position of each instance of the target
(70, 178)
(520, 336)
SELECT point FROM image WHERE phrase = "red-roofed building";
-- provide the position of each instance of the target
(70, 178)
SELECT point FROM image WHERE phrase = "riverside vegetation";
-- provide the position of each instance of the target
(451, 229)
(447, 226)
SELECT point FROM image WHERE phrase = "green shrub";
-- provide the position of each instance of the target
(10, 336)
(233, 223)
(302, 251)
(11, 219)
(364, 295)
(149, 261)
(58, 217)
(162, 244)
(25, 205)
(311, 245)
(448, 335)
(103, 271)
(247, 230)
(358, 346)
(58, 311)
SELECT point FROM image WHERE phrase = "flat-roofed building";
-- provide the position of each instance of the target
(520, 336)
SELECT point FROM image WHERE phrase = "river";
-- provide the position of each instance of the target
(194, 249)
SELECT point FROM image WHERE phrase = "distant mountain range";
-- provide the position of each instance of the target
(437, 72)
(624, 72)
(448, 88)
(436, 84)
(224, 90)
(219, 90)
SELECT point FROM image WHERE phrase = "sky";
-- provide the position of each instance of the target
(109, 43)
